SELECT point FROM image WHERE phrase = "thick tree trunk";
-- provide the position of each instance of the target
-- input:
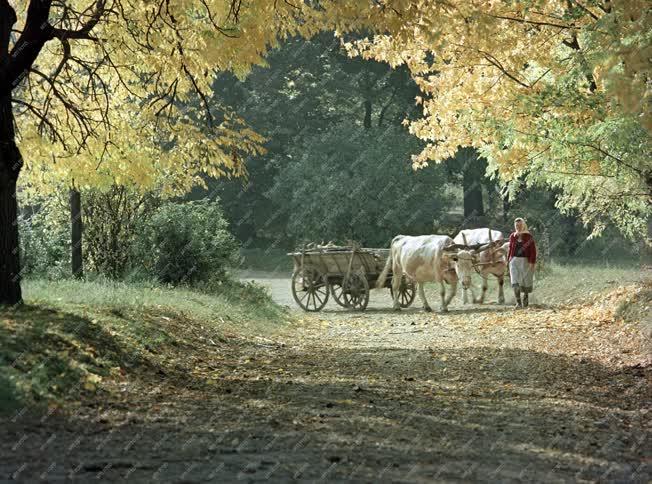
(507, 205)
(76, 230)
(10, 165)
(367, 114)
(473, 206)
(14, 66)
(472, 174)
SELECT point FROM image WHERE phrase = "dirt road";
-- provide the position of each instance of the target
(552, 394)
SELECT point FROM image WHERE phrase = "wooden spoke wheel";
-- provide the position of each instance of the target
(355, 291)
(338, 294)
(310, 289)
(406, 292)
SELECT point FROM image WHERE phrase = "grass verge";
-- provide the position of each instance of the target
(70, 335)
(576, 283)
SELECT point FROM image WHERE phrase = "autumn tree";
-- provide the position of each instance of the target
(82, 81)
(70, 84)
(553, 93)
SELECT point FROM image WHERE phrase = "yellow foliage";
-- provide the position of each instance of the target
(484, 67)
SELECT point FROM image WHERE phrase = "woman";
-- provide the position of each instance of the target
(522, 258)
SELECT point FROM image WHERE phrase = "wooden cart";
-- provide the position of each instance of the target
(346, 273)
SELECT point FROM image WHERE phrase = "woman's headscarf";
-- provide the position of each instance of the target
(524, 230)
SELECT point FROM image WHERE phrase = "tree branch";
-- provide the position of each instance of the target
(386, 106)
(575, 45)
(84, 31)
(42, 118)
(534, 22)
(585, 9)
(64, 59)
(25, 51)
(7, 20)
(588, 145)
(500, 67)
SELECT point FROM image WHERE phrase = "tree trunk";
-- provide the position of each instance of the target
(367, 114)
(507, 206)
(473, 206)
(10, 165)
(472, 175)
(76, 230)
(13, 67)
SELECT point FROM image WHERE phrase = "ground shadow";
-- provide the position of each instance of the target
(370, 415)
(419, 310)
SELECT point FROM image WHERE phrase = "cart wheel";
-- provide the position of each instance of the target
(406, 293)
(338, 294)
(310, 289)
(355, 291)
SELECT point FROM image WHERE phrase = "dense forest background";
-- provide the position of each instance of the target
(330, 117)
(337, 167)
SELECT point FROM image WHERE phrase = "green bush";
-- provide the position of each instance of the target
(45, 242)
(112, 217)
(247, 292)
(185, 243)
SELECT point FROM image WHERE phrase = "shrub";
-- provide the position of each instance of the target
(247, 292)
(185, 243)
(44, 232)
(111, 219)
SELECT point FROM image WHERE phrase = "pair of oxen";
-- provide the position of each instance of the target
(442, 259)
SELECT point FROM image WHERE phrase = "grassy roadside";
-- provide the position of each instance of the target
(564, 283)
(70, 336)
(77, 338)
(576, 283)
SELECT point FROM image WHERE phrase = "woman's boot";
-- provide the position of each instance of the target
(517, 295)
(526, 300)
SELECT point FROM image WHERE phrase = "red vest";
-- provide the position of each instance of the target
(529, 247)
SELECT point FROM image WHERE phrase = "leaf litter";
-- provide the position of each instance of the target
(551, 393)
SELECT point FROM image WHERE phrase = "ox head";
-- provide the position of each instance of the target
(464, 259)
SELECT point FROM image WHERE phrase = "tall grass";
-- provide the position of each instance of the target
(243, 303)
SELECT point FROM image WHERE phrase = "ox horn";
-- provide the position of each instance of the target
(484, 247)
(454, 247)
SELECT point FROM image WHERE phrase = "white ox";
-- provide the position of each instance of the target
(492, 261)
(422, 259)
